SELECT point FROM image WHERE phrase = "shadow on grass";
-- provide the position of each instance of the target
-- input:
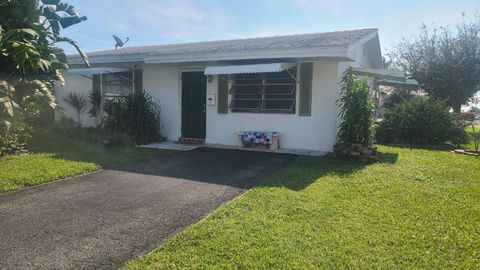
(306, 170)
(83, 151)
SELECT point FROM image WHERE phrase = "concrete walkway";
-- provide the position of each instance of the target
(172, 145)
(103, 219)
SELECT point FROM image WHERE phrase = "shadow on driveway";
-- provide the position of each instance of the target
(235, 168)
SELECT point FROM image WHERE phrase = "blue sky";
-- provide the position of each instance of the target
(152, 22)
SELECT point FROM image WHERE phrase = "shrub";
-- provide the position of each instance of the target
(398, 96)
(137, 115)
(14, 139)
(68, 128)
(421, 121)
(32, 115)
(356, 111)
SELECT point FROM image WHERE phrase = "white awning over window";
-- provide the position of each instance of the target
(242, 69)
(95, 71)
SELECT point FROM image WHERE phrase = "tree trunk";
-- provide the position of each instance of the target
(457, 108)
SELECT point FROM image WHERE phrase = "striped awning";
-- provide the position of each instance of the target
(242, 69)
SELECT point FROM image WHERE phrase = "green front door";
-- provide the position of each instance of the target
(194, 88)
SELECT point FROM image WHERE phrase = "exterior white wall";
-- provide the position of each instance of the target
(79, 85)
(163, 83)
(315, 132)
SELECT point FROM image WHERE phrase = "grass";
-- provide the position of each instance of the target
(58, 157)
(414, 209)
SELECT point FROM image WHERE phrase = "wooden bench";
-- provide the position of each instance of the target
(273, 145)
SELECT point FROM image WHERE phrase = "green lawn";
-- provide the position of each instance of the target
(414, 209)
(58, 157)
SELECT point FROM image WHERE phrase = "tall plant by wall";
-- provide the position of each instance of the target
(356, 111)
(96, 109)
(137, 115)
(79, 104)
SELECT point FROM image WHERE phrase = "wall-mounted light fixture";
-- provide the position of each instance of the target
(209, 78)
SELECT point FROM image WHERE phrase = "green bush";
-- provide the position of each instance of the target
(398, 96)
(356, 111)
(137, 115)
(421, 121)
(14, 139)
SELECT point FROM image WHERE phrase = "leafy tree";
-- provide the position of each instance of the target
(445, 63)
(475, 110)
(29, 33)
(356, 110)
(30, 63)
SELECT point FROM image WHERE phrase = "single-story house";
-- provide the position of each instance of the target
(211, 91)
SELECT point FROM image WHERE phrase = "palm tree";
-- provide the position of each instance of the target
(96, 110)
(79, 104)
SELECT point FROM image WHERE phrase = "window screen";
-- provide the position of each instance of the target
(264, 92)
(117, 84)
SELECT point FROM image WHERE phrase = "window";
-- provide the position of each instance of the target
(117, 84)
(264, 92)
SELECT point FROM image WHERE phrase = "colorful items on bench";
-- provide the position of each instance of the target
(258, 137)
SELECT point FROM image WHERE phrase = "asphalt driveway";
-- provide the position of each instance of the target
(103, 219)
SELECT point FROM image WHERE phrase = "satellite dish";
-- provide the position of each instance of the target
(119, 42)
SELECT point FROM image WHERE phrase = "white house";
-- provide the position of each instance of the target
(286, 84)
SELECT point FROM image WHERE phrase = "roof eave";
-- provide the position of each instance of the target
(100, 59)
(336, 52)
(332, 52)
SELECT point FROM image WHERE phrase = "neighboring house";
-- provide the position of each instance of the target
(285, 84)
(385, 88)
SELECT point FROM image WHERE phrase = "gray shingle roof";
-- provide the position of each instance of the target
(314, 40)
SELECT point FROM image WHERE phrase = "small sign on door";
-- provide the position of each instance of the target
(210, 99)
